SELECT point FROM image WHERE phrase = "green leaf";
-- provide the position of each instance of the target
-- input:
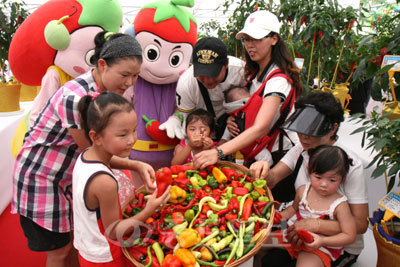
(379, 171)
(394, 169)
(361, 129)
(391, 183)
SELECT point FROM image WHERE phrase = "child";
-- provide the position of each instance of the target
(199, 127)
(109, 122)
(328, 167)
(43, 168)
(235, 98)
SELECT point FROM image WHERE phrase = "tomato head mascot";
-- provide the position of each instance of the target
(167, 32)
(55, 44)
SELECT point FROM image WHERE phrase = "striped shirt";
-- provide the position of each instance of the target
(43, 168)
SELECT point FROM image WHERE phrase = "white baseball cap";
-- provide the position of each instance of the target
(259, 24)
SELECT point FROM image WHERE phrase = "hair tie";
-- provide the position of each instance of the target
(107, 35)
(94, 95)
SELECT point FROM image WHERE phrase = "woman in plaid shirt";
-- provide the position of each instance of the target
(43, 168)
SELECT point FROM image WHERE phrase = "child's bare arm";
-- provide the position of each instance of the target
(291, 210)
(348, 230)
(181, 154)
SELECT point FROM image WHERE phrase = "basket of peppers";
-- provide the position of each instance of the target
(219, 216)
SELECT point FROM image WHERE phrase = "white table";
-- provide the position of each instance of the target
(8, 124)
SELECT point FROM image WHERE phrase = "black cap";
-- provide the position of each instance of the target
(309, 121)
(209, 55)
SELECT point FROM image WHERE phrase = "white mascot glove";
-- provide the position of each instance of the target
(173, 126)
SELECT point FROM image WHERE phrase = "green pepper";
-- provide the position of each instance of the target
(179, 228)
(240, 249)
(189, 196)
(216, 207)
(195, 209)
(254, 195)
(260, 183)
(190, 173)
(229, 190)
(202, 201)
(224, 256)
(189, 215)
(206, 263)
(213, 218)
(241, 204)
(223, 233)
(247, 237)
(233, 252)
(150, 257)
(222, 244)
(212, 182)
(250, 227)
(257, 219)
(266, 208)
(206, 239)
(159, 252)
(248, 186)
(263, 198)
(135, 211)
(249, 247)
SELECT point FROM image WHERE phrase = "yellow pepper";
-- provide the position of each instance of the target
(219, 175)
(206, 254)
(186, 257)
(188, 238)
(178, 195)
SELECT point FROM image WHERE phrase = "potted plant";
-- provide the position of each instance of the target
(382, 134)
(12, 14)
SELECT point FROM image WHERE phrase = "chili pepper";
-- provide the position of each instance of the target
(222, 227)
(167, 237)
(236, 224)
(163, 180)
(181, 176)
(234, 205)
(230, 217)
(206, 263)
(191, 203)
(235, 184)
(155, 262)
(140, 199)
(137, 255)
(222, 212)
(171, 261)
(205, 209)
(261, 204)
(266, 208)
(320, 34)
(181, 182)
(277, 217)
(201, 230)
(303, 20)
(249, 247)
(203, 174)
(148, 241)
(256, 211)
(176, 169)
(240, 191)
(247, 207)
(149, 259)
(210, 168)
(257, 227)
(136, 193)
(315, 36)
(177, 217)
(305, 236)
(233, 252)
(128, 210)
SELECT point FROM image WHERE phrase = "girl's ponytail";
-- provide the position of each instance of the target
(83, 107)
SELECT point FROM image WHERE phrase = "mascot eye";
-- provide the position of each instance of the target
(175, 59)
(151, 52)
(89, 58)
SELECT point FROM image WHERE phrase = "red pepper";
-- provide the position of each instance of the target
(236, 224)
(230, 173)
(128, 210)
(222, 212)
(234, 205)
(305, 236)
(159, 135)
(222, 227)
(247, 207)
(203, 174)
(163, 180)
(182, 183)
(303, 20)
(230, 217)
(261, 204)
(205, 209)
(320, 34)
(208, 230)
(181, 176)
(223, 262)
(177, 217)
(148, 241)
(257, 227)
(201, 230)
(171, 261)
(277, 217)
(136, 254)
(240, 191)
(155, 262)
(235, 184)
(191, 203)
(176, 169)
(140, 199)
(207, 189)
(167, 238)
(210, 168)
(256, 211)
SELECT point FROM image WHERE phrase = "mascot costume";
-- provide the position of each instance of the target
(54, 45)
(167, 32)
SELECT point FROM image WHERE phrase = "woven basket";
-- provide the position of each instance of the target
(260, 241)
(9, 97)
(388, 253)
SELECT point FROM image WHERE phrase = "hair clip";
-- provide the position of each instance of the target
(94, 95)
(107, 35)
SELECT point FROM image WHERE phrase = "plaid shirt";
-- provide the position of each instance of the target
(43, 168)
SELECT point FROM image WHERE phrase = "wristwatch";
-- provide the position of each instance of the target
(220, 153)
